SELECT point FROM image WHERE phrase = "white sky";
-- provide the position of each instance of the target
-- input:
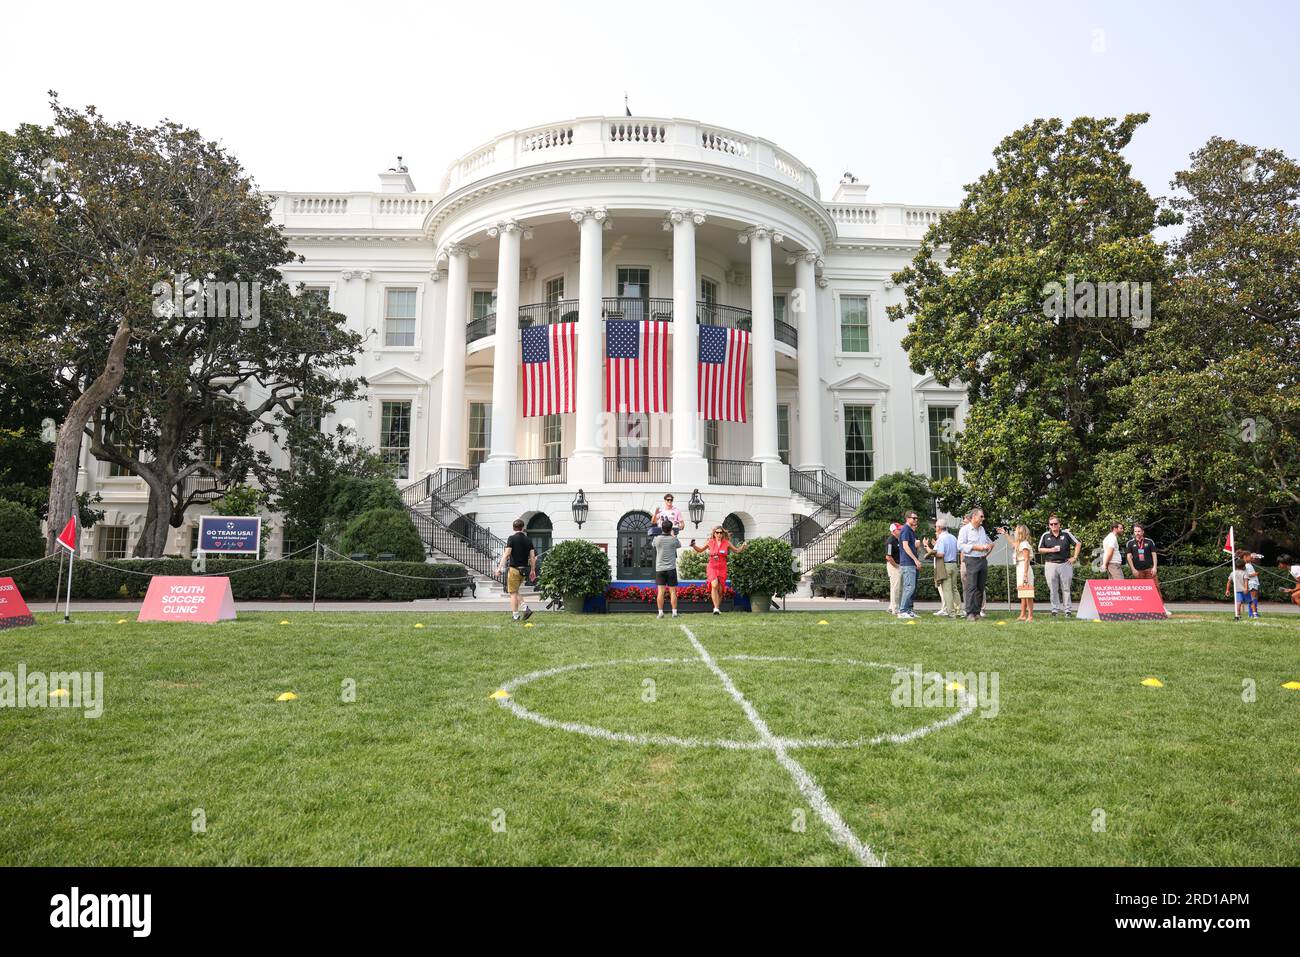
(912, 97)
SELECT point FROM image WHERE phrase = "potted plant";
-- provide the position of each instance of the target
(765, 568)
(573, 571)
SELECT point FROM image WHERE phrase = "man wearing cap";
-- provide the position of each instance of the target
(1060, 551)
(891, 565)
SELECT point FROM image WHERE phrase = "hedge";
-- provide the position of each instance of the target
(289, 579)
(835, 578)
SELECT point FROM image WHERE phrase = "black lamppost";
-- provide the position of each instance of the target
(696, 508)
(580, 508)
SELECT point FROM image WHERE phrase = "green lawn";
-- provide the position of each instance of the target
(415, 769)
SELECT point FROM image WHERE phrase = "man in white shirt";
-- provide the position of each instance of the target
(1112, 560)
(974, 545)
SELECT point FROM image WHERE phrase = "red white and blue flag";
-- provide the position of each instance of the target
(549, 355)
(636, 366)
(723, 356)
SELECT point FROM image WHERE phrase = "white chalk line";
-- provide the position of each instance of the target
(808, 787)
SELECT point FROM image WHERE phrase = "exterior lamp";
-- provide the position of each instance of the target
(580, 508)
(696, 508)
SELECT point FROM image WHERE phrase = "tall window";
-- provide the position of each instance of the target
(552, 442)
(943, 422)
(553, 291)
(395, 436)
(854, 332)
(712, 439)
(322, 293)
(783, 433)
(859, 455)
(634, 441)
(480, 432)
(483, 303)
(112, 541)
(634, 284)
(399, 317)
(778, 308)
(708, 311)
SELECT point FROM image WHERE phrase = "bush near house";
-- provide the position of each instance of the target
(892, 496)
(864, 543)
(870, 580)
(575, 568)
(691, 565)
(764, 568)
(381, 531)
(20, 532)
(289, 580)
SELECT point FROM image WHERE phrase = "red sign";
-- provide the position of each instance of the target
(187, 598)
(1115, 600)
(13, 610)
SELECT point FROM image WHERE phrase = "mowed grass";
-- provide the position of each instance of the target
(419, 767)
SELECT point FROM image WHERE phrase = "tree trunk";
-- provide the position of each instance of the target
(146, 533)
(67, 448)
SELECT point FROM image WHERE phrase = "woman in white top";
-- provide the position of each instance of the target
(1024, 573)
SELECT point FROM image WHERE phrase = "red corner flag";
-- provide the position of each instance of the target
(1230, 546)
(68, 537)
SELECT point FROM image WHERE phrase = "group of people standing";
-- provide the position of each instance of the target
(665, 526)
(965, 556)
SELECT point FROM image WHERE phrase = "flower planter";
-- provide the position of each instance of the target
(760, 603)
(574, 604)
(649, 607)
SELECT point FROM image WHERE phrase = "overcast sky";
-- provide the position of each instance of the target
(912, 97)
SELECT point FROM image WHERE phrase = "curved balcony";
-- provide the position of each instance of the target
(614, 307)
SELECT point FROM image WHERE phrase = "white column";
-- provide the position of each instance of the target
(586, 463)
(451, 435)
(803, 304)
(505, 361)
(689, 467)
(763, 339)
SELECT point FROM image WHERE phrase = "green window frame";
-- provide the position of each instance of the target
(395, 436)
(859, 444)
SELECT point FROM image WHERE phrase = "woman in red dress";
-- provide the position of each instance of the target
(719, 547)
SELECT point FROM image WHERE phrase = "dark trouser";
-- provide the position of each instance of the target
(974, 576)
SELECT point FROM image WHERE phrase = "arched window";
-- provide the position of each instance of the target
(735, 528)
(539, 529)
(636, 557)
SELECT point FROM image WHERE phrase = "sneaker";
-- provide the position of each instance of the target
(717, 612)
(674, 612)
(661, 613)
(514, 616)
(983, 615)
(1054, 614)
(528, 613)
(940, 614)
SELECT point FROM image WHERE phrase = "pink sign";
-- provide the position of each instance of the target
(187, 598)
(13, 610)
(1115, 600)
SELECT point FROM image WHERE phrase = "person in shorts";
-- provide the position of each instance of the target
(519, 556)
(719, 548)
(1237, 587)
(666, 546)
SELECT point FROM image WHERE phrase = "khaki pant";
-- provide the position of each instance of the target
(895, 586)
(1115, 571)
(949, 600)
(1060, 576)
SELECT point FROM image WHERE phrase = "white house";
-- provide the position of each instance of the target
(615, 217)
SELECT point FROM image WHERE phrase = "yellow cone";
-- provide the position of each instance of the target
(954, 686)
(823, 622)
(1153, 682)
(528, 624)
(999, 623)
(910, 622)
(500, 695)
(419, 624)
(285, 622)
(59, 693)
(121, 621)
(1292, 686)
(287, 696)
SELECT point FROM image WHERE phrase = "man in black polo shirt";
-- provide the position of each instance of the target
(1140, 553)
(518, 555)
(1060, 550)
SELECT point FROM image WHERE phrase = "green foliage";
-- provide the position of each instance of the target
(1060, 202)
(289, 580)
(246, 501)
(691, 565)
(381, 531)
(766, 568)
(20, 532)
(893, 496)
(864, 542)
(574, 569)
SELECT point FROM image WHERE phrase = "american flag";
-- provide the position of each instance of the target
(549, 355)
(723, 355)
(636, 366)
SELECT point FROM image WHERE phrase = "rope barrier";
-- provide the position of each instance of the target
(382, 571)
(37, 561)
(839, 570)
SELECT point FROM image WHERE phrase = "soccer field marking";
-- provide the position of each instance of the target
(804, 781)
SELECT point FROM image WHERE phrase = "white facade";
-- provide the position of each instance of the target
(600, 216)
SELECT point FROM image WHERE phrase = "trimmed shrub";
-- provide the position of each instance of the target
(267, 581)
(864, 543)
(20, 532)
(574, 569)
(691, 565)
(893, 495)
(765, 568)
(383, 530)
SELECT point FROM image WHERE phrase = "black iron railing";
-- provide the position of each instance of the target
(198, 487)
(731, 317)
(823, 547)
(447, 484)
(787, 333)
(481, 328)
(809, 486)
(554, 471)
(850, 496)
(735, 472)
(548, 313)
(806, 529)
(625, 307)
(638, 468)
